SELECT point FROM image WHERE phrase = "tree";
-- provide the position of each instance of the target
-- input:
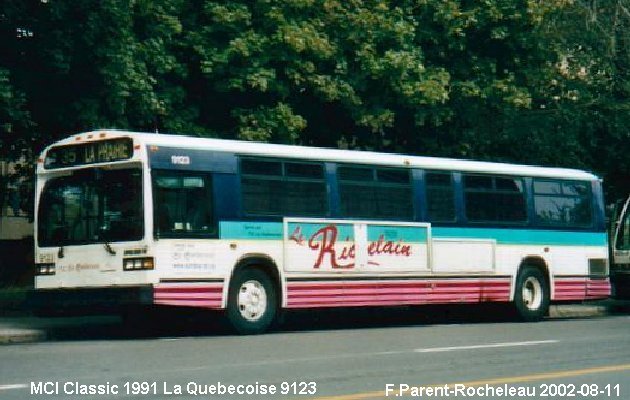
(513, 80)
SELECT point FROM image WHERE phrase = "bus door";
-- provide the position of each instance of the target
(354, 247)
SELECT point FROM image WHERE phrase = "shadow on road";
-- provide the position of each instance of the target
(186, 322)
(195, 323)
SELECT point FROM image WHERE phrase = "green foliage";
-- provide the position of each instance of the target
(15, 120)
(517, 80)
(277, 124)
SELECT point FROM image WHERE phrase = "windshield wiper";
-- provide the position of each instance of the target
(109, 248)
(103, 235)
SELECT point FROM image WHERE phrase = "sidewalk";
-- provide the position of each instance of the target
(28, 329)
(15, 331)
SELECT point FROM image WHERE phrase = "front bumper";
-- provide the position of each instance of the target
(88, 300)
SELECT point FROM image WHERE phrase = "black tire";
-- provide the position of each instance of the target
(531, 295)
(252, 301)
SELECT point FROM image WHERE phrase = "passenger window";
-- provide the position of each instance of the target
(375, 193)
(182, 204)
(494, 199)
(560, 203)
(283, 188)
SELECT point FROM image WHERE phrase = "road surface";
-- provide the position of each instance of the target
(564, 358)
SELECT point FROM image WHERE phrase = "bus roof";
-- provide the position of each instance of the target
(330, 155)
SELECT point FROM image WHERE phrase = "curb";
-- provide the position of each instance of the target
(18, 335)
(577, 311)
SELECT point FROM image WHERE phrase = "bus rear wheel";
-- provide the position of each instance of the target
(531, 297)
(251, 301)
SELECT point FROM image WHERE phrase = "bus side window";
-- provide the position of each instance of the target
(182, 204)
(494, 199)
(375, 193)
(283, 188)
(562, 203)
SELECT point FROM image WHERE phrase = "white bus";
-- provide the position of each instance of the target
(128, 219)
(620, 250)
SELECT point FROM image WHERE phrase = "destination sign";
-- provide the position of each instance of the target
(89, 153)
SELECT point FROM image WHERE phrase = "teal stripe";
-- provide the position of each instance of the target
(525, 236)
(250, 230)
(308, 229)
(273, 231)
(397, 233)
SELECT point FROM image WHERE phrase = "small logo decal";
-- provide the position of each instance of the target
(180, 160)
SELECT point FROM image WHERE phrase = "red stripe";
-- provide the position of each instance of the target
(598, 289)
(189, 303)
(371, 293)
(407, 283)
(184, 296)
(384, 293)
(207, 296)
(581, 288)
(188, 289)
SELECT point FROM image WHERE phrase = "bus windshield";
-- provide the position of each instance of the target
(91, 206)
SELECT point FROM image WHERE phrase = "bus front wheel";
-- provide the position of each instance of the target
(531, 297)
(251, 302)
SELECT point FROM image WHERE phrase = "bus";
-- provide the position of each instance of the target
(620, 250)
(253, 229)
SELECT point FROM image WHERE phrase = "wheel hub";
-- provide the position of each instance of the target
(532, 293)
(252, 300)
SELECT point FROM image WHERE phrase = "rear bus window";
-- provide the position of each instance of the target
(563, 203)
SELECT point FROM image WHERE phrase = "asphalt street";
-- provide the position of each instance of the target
(563, 358)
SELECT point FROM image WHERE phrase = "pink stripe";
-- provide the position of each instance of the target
(178, 289)
(598, 289)
(571, 284)
(352, 303)
(426, 283)
(581, 288)
(190, 303)
(206, 296)
(346, 293)
(386, 291)
(184, 296)
(191, 292)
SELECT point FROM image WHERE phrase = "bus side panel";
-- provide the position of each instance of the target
(197, 272)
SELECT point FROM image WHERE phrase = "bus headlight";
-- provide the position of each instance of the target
(45, 269)
(138, 264)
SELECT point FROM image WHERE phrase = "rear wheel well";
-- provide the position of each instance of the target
(536, 262)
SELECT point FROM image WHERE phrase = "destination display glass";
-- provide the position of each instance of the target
(89, 153)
